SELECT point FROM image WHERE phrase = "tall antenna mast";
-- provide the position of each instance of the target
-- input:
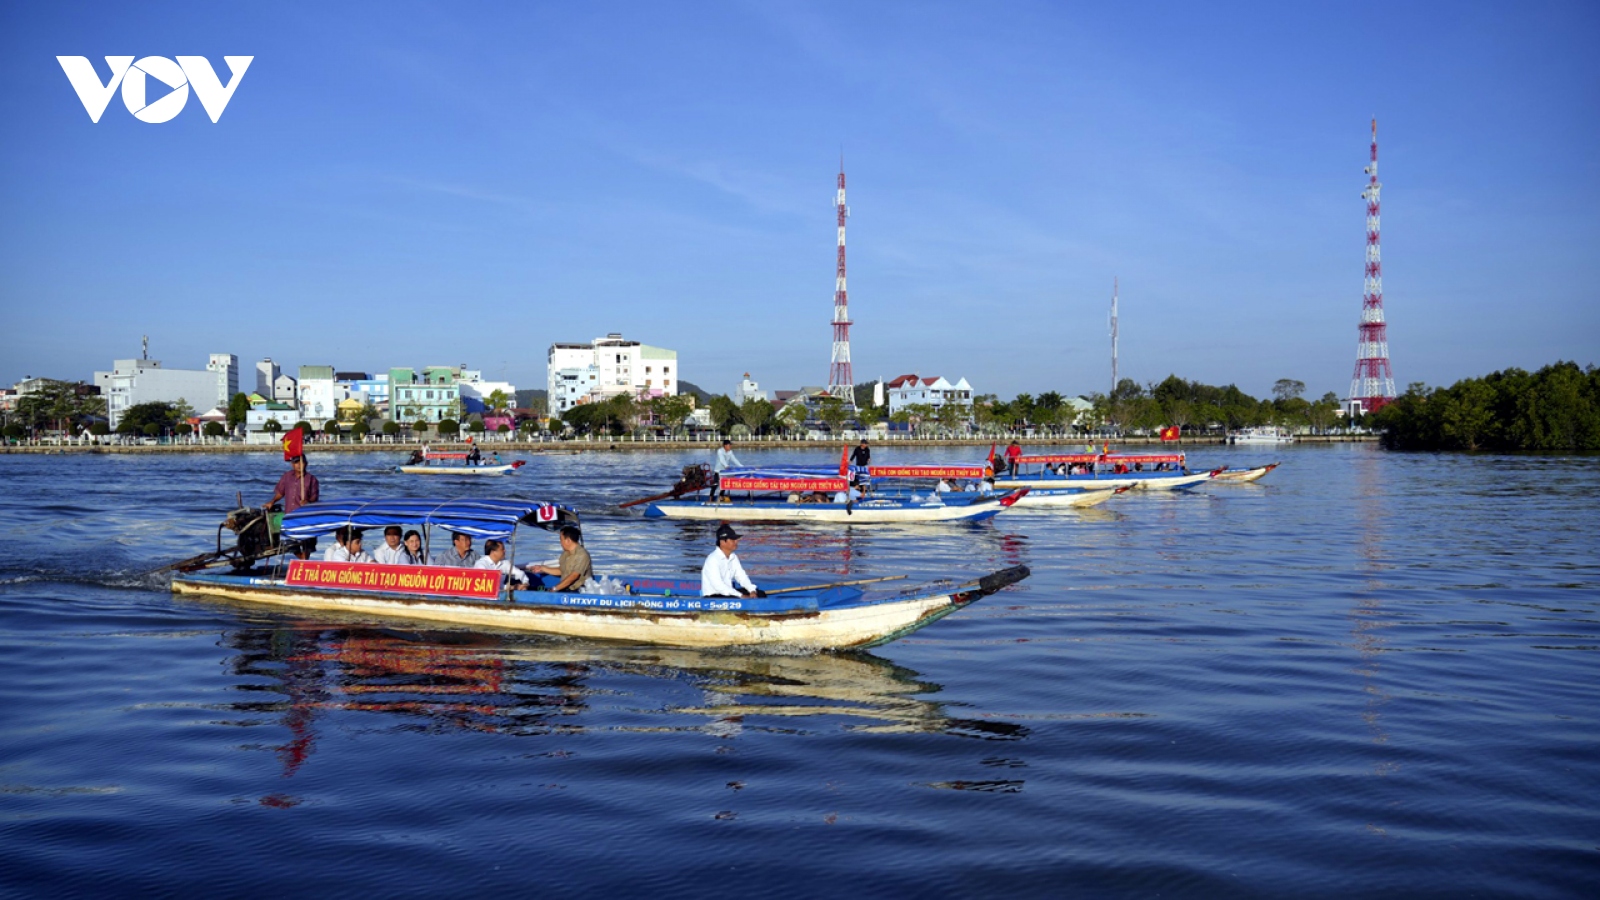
(146, 344)
(1373, 383)
(841, 380)
(1113, 337)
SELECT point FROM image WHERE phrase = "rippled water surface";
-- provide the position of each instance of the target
(1368, 674)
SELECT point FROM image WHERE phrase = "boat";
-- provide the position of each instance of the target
(454, 464)
(1105, 471)
(826, 495)
(1244, 476)
(1261, 434)
(668, 610)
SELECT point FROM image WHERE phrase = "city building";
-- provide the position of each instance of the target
(285, 389)
(134, 381)
(912, 390)
(475, 392)
(255, 421)
(432, 398)
(319, 394)
(267, 373)
(606, 367)
(748, 390)
(365, 388)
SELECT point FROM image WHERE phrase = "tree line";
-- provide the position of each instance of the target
(1556, 409)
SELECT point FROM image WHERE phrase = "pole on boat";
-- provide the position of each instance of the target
(834, 584)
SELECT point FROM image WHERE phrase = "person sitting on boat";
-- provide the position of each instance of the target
(392, 553)
(723, 575)
(494, 557)
(725, 459)
(460, 555)
(353, 549)
(848, 496)
(338, 552)
(413, 548)
(943, 487)
(475, 455)
(574, 567)
(417, 458)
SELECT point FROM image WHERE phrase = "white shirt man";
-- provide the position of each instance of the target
(392, 553)
(350, 551)
(722, 575)
(339, 551)
(494, 557)
(725, 458)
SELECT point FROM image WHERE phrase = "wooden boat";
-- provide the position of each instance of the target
(1069, 498)
(805, 494)
(436, 463)
(1167, 472)
(641, 610)
(1244, 476)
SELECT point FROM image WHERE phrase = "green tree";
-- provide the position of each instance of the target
(215, 429)
(755, 413)
(420, 428)
(305, 427)
(792, 417)
(670, 411)
(832, 412)
(272, 426)
(475, 426)
(359, 429)
(723, 412)
(14, 431)
(331, 428)
(1287, 389)
(391, 428)
(238, 410)
(497, 401)
(184, 428)
(449, 428)
(182, 409)
(99, 429)
(163, 416)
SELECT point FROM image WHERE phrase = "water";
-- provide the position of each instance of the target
(1369, 674)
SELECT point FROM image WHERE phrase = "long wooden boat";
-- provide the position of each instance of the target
(1244, 476)
(802, 494)
(1070, 498)
(1167, 472)
(637, 610)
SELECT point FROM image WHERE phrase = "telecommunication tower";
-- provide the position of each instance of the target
(1373, 383)
(841, 380)
(1113, 337)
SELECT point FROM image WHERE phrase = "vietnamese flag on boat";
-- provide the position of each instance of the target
(294, 443)
(1169, 433)
(844, 462)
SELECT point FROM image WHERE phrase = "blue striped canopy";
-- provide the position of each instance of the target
(479, 518)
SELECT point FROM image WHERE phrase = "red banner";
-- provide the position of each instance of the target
(1059, 458)
(1143, 458)
(427, 581)
(927, 471)
(746, 483)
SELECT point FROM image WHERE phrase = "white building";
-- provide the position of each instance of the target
(749, 390)
(267, 373)
(911, 390)
(606, 367)
(134, 381)
(319, 394)
(285, 389)
(475, 392)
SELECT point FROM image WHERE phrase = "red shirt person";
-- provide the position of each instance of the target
(297, 487)
(1013, 454)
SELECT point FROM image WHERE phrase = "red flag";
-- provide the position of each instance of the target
(844, 461)
(293, 443)
(1170, 433)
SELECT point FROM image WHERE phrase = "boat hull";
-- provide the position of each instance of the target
(1244, 476)
(616, 618)
(864, 513)
(456, 470)
(1047, 499)
(1145, 482)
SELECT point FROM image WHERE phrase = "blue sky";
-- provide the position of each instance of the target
(418, 184)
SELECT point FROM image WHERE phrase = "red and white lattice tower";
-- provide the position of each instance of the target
(1373, 383)
(841, 380)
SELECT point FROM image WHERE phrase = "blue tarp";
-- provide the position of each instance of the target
(479, 518)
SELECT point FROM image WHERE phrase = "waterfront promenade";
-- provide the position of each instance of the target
(629, 443)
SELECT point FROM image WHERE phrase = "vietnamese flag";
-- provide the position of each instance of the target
(1170, 433)
(844, 461)
(294, 443)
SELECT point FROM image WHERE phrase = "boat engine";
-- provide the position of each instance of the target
(256, 540)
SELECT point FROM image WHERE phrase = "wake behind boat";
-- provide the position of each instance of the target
(634, 609)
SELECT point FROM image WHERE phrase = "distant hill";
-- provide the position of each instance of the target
(688, 387)
(525, 399)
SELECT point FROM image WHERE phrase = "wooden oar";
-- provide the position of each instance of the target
(834, 584)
